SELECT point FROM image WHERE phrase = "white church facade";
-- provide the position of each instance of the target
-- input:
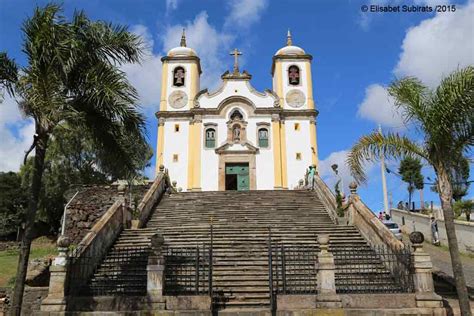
(237, 138)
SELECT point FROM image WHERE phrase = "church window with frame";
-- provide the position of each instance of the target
(179, 76)
(210, 138)
(263, 137)
(294, 75)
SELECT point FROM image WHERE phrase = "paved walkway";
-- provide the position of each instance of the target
(442, 262)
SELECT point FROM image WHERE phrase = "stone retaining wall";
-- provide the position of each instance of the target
(409, 220)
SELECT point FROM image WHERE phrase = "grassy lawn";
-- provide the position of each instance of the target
(41, 248)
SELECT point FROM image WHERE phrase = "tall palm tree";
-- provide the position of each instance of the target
(444, 117)
(72, 77)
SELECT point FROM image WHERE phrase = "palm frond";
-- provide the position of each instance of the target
(410, 97)
(375, 145)
(8, 73)
(452, 114)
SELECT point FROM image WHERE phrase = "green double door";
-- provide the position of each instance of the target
(237, 177)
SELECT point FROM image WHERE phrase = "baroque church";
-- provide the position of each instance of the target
(237, 138)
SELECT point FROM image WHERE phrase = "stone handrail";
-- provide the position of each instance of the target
(152, 196)
(369, 225)
(326, 196)
(100, 238)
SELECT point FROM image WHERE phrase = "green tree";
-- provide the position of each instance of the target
(444, 117)
(410, 170)
(463, 206)
(72, 77)
(13, 203)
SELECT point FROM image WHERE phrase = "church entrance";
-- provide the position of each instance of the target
(237, 176)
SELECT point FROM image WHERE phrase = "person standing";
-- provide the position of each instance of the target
(380, 216)
(311, 174)
(434, 231)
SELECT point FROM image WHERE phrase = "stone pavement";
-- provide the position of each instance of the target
(442, 262)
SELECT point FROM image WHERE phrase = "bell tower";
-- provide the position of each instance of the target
(180, 78)
(292, 82)
(291, 72)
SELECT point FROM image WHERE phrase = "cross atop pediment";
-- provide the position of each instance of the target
(236, 55)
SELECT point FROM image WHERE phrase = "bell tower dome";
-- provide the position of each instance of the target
(291, 72)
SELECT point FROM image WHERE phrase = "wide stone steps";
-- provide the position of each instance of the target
(241, 222)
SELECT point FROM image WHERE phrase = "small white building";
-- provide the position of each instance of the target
(237, 138)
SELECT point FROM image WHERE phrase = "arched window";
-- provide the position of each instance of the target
(178, 76)
(210, 138)
(294, 75)
(236, 115)
(263, 137)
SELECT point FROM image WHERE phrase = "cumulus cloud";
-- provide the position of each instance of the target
(16, 134)
(365, 18)
(430, 51)
(437, 46)
(326, 172)
(244, 13)
(378, 106)
(339, 158)
(211, 45)
(171, 5)
(146, 77)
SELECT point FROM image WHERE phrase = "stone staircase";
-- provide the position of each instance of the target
(241, 222)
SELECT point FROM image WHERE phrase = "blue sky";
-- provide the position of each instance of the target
(355, 55)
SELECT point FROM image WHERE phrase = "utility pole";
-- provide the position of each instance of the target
(384, 181)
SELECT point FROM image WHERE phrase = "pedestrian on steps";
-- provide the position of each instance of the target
(380, 216)
(311, 173)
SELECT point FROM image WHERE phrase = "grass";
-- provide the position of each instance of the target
(41, 248)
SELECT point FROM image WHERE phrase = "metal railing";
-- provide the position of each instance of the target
(373, 269)
(123, 272)
(294, 268)
(188, 271)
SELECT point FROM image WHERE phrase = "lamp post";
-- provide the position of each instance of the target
(334, 168)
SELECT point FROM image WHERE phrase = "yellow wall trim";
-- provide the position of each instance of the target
(284, 171)
(314, 144)
(164, 87)
(277, 153)
(309, 82)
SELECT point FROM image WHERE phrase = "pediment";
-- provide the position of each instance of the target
(240, 90)
(237, 148)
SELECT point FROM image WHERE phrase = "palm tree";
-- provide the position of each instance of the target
(72, 77)
(444, 118)
(8, 72)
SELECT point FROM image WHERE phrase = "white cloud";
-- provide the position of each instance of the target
(171, 5)
(339, 158)
(146, 77)
(437, 46)
(378, 106)
(326, 172)
(211, 45)
(430, 51)
(366, 18)
(16, 135)
(244, 13)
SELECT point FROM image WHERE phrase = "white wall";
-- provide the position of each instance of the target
(421, 222)
(176, 143)
(303, 86)
(297, 142)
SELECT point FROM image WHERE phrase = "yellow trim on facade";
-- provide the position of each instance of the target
(314, 144)
(197, 156)
(164, 87)
(309, 82)
(279, 82)
(194, 84)
(277, 154)
(160, 146)
(191, 149)
(284, 171)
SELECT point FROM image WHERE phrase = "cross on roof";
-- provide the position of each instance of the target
(236, 54)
